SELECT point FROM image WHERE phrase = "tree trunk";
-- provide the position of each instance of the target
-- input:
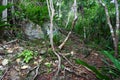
(117, 27)
(4, 13)
(114, 32)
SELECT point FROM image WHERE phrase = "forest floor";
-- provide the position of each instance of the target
(43, 65)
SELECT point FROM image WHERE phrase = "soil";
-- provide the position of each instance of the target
(43, 66)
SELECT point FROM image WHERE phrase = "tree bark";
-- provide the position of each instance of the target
(114, 32)
(4, 13)
(117, 27)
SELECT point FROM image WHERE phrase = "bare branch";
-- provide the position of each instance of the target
(63, 43)
(74, 7)
(36, 72)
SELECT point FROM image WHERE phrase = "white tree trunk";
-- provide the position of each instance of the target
(4, 13)
(114, 32)
(12, 11)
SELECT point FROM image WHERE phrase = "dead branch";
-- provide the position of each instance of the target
(72, 71)
(36, 72)
(2, 78)
(12, 41)
(73, 24)
(36, 68)
(67, 60)
(63, 43)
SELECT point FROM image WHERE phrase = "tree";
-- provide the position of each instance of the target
(4, 13)
(114, 32)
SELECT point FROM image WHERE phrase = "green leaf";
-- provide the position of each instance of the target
(113, 59)
(2, 7)
(92, 68)
(27, 55)
(48, 64)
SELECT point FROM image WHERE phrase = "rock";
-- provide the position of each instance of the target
(2, 51)
(5, 62)
(46, 28)
(2, 68)
(32, 30)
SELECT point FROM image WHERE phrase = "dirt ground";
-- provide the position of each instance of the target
(43, 66)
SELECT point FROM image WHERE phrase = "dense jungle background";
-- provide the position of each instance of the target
(59, 40)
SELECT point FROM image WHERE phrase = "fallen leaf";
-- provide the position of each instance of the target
(25, 67)
(18, 60)
(10, 50)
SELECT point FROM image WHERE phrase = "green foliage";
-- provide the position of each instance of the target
(2, 23)
(27, 55)
(34, 10)
(113, 59)
(119, 48)
(110, 70)
(48, 64)
(56, 38)
(92, 68)
(19, 35)
(114, 69)
(3, 7)
(91, 20)
(1, 72)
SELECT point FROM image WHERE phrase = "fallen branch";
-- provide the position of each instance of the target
(67, 60)
(36, 73)
(63, 43)
(12, 41)
(2, 78)
(72, 71)
(35, 68)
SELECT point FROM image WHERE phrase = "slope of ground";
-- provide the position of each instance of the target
(44, 63)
